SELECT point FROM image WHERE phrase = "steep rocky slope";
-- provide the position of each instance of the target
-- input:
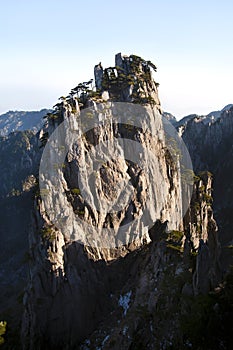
(86, 281)
(70, 281)
(112, 271)
(20, 155)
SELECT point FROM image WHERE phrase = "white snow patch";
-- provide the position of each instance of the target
(125, 329)
(105, 339)
(124, 301)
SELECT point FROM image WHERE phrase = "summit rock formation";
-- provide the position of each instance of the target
(78, 276)
(148, 269)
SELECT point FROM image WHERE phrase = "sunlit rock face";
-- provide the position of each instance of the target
(111, 264)
(119, 178)
(107, 174)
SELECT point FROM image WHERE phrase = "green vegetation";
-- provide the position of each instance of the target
(197, 206)
(81, 212)
(3, 325)
(176, 236)
(204, 174)
(173, 147)
(202, 188)
(194, 324)
(194, 253)
(208, 323)
(207, 198)
(15, 192)
(44, 139)
(75, 191)
(48, 233)
(44, 192)
(177, 248)
(114, 80)
(57, 166)
(174, 240)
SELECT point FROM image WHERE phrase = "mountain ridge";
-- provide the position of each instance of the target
(20, 120)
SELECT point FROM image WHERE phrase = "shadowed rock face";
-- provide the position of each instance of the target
(202, 236)
(20, 157)
(210, 147)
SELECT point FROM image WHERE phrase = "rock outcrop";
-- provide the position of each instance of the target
(70, 283)
(20, 155)
(202, 236)
(210, 147)
(207, 141)
(102, 277)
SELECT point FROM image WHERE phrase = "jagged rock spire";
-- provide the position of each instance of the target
(129, 81)
(98, 72)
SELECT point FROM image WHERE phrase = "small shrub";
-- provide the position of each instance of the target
(176, 236)
(48, 233)
(177, 248)
(75, 191)
(2, 331)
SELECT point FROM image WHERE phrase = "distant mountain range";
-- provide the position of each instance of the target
(33, 120)
(21, 121)
(209, 118)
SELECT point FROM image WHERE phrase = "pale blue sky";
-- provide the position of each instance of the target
(49, 46)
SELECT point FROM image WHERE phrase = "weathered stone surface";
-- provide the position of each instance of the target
(202, 236)
(65, 276)
(98, 71)
(122, 296)
(210, 147)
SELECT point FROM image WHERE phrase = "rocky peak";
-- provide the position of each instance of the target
(206, 141)
(130, 80)
(210, 147)
(107, 273)
(113, 150)
(202, 235)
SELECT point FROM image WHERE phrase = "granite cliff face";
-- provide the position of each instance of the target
(201, 233)
(20, 155)
(116, 293)
(210, 147)
(165, 276)
(112, 271)
(70, 281)
(206, 141)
